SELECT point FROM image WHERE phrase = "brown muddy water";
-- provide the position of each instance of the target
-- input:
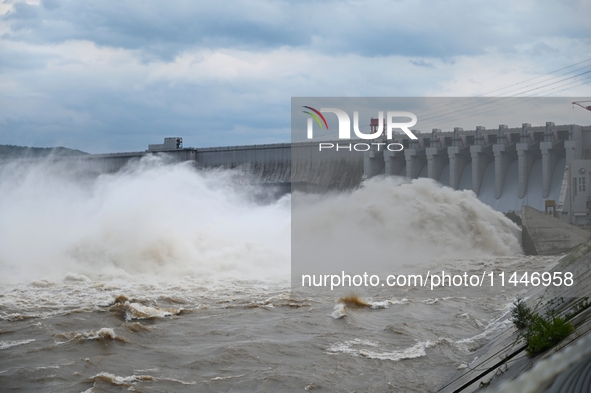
(88, 335)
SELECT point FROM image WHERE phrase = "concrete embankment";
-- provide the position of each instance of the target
(503, 363)
(544, 234)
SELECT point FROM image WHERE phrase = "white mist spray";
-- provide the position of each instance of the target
(390, 223)
(154, 218)
(160, 219)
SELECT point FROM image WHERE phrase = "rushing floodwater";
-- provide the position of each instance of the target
(163, 279)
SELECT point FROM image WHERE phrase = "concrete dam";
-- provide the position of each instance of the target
(507, 168)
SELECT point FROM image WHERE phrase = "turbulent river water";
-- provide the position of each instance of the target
(161, 278)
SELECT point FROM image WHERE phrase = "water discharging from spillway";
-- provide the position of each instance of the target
(163, 278)
(153, 218)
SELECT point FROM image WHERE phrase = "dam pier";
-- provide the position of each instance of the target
(507, 168)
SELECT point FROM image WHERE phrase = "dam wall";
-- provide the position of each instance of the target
(507, 168)
(266, 163)
(298, 165)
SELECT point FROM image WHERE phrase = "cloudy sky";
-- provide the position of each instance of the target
(105, 76)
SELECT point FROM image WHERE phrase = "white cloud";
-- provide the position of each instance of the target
(147, 71)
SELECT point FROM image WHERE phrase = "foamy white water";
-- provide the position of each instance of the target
(153, 218)
(390, 226)
(164, 278)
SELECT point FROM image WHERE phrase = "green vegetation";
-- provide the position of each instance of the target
(545, 333)
(521, 314)
(542, 333)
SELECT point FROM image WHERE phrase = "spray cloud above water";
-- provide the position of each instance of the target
(154, 218)
(390, 223)
(159, 218)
